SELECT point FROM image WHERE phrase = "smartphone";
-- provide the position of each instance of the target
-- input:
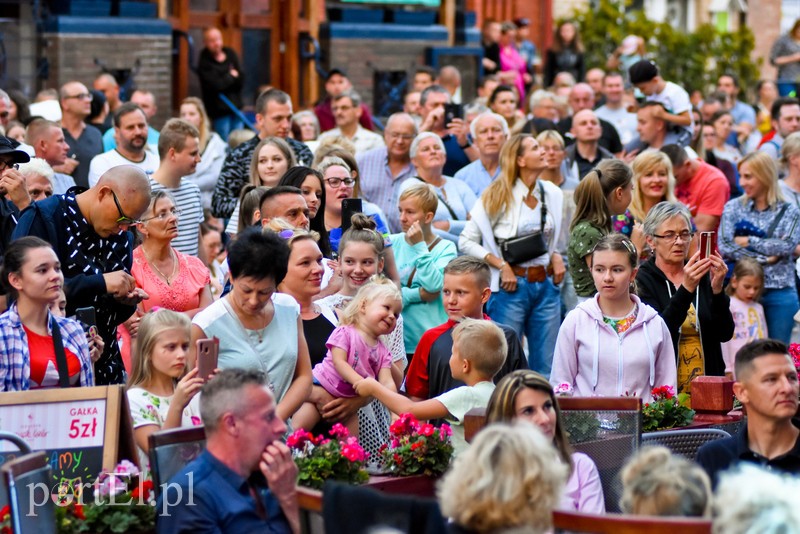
(207, 356)
(453, 111)
(349, 207)
(88, 317)
(708, 244)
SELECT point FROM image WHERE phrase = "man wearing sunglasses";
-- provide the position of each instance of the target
(88, 228)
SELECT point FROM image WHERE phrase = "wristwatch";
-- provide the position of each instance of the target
(469, 144)
(502, 265)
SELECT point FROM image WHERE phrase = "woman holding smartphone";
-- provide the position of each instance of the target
(686, 293)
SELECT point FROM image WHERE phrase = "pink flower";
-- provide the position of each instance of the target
(127, 467)
(563, 389)
(354, 453)
(446, 430)
(339, 431)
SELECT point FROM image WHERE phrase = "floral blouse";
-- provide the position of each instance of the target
(149, 409)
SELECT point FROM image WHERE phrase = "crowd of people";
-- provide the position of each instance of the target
(598, 229)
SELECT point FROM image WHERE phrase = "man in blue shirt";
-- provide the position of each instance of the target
(244, 482)
(490, 132)
(766, 384)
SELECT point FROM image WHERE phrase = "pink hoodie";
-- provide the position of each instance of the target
(597, 362)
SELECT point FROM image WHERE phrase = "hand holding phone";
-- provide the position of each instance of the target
(207, 357)
(453, 111)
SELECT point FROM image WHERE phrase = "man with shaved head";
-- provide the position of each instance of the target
(581, 97)
(584, 155)
(384, 169)
(48, 142)
(88, 229)
(107, 84)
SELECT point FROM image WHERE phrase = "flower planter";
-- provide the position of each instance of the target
(712, 395)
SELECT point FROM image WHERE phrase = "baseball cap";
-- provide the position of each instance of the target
(8, 148)
(642, 71)
(334, 71)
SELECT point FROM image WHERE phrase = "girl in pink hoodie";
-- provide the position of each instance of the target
(614, 344)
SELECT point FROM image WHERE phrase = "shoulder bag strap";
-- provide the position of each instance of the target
(430, 249)
(544, 206)
(61, 356)
(776, 220)
(446, 204)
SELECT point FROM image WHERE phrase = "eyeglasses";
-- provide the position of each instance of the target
(672, 236)
(164, 215)
(123, 219)
(80, 96)
(8, 165)
(337, 182)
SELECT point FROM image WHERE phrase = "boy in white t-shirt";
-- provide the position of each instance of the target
(479, 351)
(645, 77)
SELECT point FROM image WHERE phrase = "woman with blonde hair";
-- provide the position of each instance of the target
(526, 395)
(656, 482)
(653, 182)
(212, 148)
(762, 225)
(509, 478)
(514, 227)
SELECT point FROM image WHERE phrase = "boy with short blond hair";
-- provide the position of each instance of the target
(479, 350)
(421, 257)
(465, 290)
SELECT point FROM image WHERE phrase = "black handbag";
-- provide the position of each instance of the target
(520, 249)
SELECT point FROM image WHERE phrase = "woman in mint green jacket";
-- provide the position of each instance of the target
(421, 257)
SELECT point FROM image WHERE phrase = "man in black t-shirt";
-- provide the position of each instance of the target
(220, 74)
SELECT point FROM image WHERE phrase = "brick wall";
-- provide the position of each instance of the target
(362, 57)
(72, 56)
(764, 19)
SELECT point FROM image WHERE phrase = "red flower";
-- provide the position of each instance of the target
(417, 445)
(427, 429)
(398, 459)
(5, 513)
(663, 392)
(78, 511)
(145, 487)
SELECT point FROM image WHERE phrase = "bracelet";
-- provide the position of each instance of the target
(467, 145)
(502, 265)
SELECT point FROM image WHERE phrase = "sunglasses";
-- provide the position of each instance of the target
(123, 219)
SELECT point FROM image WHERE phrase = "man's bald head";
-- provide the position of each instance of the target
(581, 97)
(117, 200)
(400, 120)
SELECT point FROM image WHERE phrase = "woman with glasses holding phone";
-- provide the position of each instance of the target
(686, 293)
(173, 280)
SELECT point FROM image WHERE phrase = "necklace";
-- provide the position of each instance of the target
(169, 278)
(259, 331)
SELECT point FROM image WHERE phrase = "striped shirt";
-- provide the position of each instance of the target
(187, 199)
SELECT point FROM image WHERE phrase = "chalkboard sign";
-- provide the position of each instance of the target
(82, 430)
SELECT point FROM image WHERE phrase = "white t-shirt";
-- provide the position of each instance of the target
(675, 99)
(102, 162)
(624, 121)
(188, 200)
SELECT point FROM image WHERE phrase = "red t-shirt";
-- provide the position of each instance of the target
(44, 371)
(706, 193)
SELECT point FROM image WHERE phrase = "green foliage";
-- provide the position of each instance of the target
(319, 459)
(581, 426)
(694, 60)
(666, 410)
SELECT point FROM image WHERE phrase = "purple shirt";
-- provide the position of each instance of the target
(366, 360)
(584, 491)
